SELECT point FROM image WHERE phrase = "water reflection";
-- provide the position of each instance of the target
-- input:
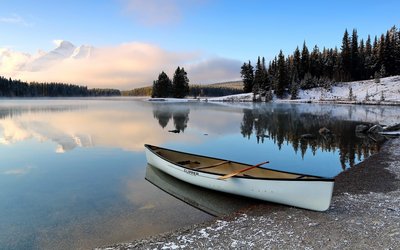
(72, 171)
(163, 112)
(82, 125)
(305, 127)
(211, 202)
(308, 131)
(19, 109)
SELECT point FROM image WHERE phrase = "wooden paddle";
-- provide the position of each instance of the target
(241, 171)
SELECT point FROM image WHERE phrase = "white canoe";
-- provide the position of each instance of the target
(304, 191)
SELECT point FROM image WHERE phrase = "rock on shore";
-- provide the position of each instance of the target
(364, 214)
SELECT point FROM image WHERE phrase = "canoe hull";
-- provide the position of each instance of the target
(314, 195)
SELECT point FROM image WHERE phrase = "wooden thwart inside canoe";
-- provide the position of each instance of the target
(211, 166)
(241, 171)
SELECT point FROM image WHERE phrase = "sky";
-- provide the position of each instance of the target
(134, 40)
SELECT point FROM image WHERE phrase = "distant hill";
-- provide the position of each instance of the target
(231, 84)
(206, 90)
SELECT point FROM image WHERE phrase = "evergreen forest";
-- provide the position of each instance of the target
(357, 59)
(177, 88)
(18, 88)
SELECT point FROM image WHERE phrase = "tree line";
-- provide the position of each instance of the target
(143, 91)
(212, 91)
(177, 88)
(194, 90)
(18, 88)
(356, 60)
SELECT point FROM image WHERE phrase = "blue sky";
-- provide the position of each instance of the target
(231, 30)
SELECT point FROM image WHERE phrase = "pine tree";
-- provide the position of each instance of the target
(154, 91)
(329, 61)
(264, 76)
(389, 59)
(180, 83)
(162, 87)
(281, 77)
(258, 77)
(247, 73)
(351, 95)
(315, 63)
(355, 59)
(381, 53)
(346, 64)
(337, 66)
(297, 61)
(375, 54)
(369, 59)
(361, 62)
(294, 86)
(305, 61)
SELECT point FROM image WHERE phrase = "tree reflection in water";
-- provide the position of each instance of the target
(163, 112)
(302, 131)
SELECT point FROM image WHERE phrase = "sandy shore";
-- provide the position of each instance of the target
(364, 214)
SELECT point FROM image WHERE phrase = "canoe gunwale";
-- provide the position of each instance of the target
(318, 178)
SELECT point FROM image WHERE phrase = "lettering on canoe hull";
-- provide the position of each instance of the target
(191, 172)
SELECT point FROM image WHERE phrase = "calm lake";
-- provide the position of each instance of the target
(73, 172)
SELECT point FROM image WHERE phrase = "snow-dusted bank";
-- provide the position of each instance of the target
(384, 92)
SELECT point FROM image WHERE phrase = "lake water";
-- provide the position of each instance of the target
(73, 172)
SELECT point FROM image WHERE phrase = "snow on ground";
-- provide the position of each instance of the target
(388, 89)
(246, 97)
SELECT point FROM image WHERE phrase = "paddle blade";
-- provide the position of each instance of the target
(241, 171)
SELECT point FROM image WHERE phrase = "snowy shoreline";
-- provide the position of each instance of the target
(368, 92)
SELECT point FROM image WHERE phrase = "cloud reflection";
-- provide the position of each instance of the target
(18, 171)
(125, 125)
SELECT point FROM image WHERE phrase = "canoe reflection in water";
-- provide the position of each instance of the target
(212, 202)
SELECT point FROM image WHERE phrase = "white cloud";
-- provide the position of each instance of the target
(124, 66)
(15, 19)
(11, 61)
(215, 70)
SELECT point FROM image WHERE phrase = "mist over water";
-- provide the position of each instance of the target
(72, 171)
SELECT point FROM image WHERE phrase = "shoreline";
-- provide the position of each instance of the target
(247, 98)
(364, 214)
